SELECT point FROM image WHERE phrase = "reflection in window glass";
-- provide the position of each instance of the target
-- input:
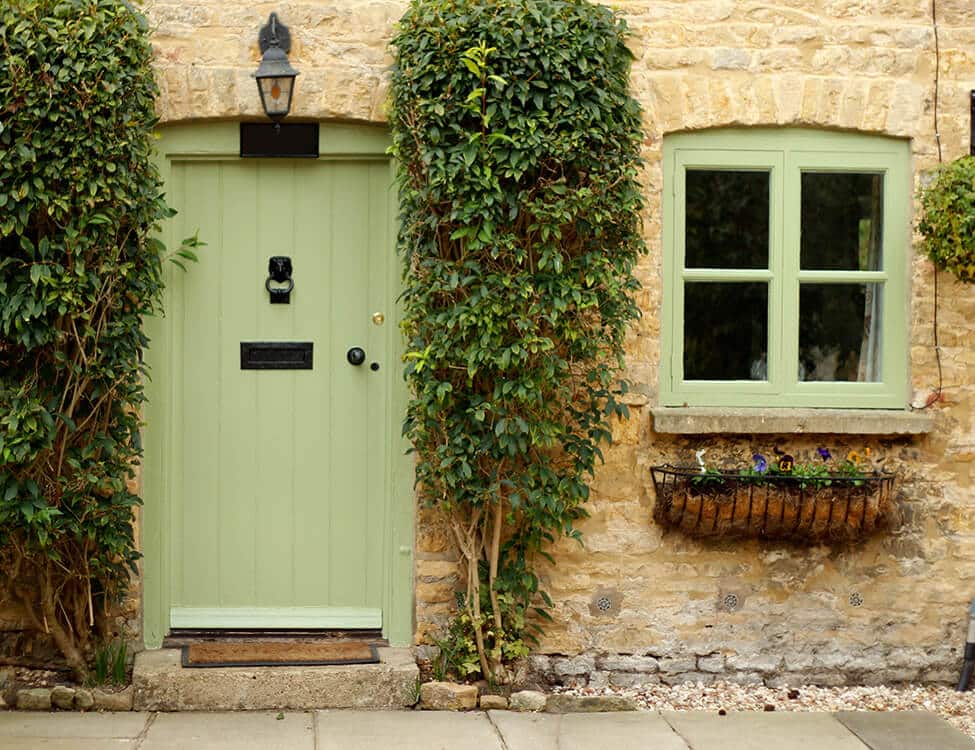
(725, 331)
(842, 220)
(727, 219)
(839, 332)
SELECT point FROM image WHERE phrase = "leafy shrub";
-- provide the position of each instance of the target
(518, 150)
(111, 664)
(457, 657)
(948, 219)
(79, 199)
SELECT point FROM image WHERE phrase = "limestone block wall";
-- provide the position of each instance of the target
(891, 609)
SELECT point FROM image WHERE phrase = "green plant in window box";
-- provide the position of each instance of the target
(813, 501)
(948, 218)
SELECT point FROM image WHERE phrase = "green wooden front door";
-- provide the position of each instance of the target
(277, 481)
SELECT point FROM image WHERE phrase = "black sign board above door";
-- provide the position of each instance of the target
(292, 140)
(275, 355)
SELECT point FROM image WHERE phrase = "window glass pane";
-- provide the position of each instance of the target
(727, 215)
(725, 331)
(840, 329)
(842, 221)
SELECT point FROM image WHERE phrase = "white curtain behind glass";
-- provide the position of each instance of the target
(870, 350)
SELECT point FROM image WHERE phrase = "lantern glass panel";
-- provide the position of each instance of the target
(276, 94)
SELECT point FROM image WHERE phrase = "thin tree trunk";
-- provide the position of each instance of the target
(469, 549)
(474, 584)
(62, 638)
(493, 562)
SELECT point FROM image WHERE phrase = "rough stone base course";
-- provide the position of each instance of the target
(828, 669)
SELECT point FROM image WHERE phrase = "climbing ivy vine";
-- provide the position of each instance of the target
(79, 269)
(518, 152)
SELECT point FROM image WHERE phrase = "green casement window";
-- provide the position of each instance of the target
(785, 267)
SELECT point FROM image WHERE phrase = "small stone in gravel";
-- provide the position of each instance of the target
(584, 704)
(83, 699)
(793, 694)
(62, 697)
(722, 712)
(36, 699)
(527, 700)
(494, 702)
(120, 701)
(768, 707)
(447, 696)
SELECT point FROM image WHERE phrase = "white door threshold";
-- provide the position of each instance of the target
(260, 618)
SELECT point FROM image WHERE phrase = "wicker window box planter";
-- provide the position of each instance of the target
(837, 508)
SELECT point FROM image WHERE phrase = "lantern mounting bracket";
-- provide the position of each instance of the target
(274, 34)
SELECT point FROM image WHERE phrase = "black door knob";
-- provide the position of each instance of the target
(356, 356)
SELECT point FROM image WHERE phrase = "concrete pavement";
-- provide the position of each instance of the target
(494, 730)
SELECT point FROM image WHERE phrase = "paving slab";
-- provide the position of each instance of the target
(73, 725)
(760, 730)
(406, 730)
(620, 731)
(39, 743)
(903, 730)
(231, 731)
(526, 730)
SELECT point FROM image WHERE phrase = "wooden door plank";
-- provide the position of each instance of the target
(349, 457)
(275, 402)
(381, 252)
(313, 484)
(201, 383)
(241, 296)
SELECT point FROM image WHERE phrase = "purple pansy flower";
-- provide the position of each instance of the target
(824, 453)
(761, 465)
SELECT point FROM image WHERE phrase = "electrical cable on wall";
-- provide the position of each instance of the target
(936, 397)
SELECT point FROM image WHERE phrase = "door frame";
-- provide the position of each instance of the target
(220, 141)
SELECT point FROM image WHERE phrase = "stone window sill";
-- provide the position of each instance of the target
(700, 420)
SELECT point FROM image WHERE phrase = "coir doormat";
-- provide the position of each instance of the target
(278, 654)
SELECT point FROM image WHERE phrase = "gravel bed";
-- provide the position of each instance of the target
(957, 708)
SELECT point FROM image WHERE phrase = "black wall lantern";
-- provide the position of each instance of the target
(275, 76)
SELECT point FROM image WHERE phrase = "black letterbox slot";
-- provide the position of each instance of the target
(295, 140)
(275, 355)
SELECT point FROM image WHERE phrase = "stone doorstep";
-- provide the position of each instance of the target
(162, 684)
